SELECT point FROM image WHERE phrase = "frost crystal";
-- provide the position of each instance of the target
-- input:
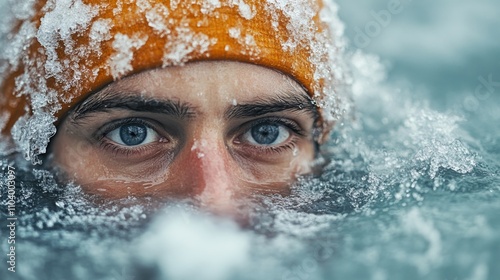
(174, 4)
(234, 32)
(247, 41)
(15, 47)
(156, 18)
(3, 119)
(186, 44)
(326, 50)
(66, 18)
(120, 63)
(244, 9)
(155, 15)
(62, 19)
(100, 32)
(208, 6)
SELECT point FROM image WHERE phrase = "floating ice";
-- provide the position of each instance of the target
(434, 137)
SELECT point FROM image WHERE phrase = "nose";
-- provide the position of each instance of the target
(213, 175)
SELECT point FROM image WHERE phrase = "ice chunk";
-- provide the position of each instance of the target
(32, 134)
(434, 135)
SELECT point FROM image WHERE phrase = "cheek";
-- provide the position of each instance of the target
(98, 173)
(303, 159)
(279, 170)
(78, 160)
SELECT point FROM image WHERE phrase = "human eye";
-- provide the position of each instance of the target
(133, 136)
(271, 134)
(266, 134)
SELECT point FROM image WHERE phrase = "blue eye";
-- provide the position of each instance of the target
(267, 134)
(133, 134)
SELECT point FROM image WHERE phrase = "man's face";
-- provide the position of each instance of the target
(210, 130)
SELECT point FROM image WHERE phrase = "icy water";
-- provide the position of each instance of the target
(411, 190)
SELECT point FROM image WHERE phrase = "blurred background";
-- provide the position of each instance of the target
(441, 47)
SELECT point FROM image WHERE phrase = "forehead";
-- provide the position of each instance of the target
(207, 82)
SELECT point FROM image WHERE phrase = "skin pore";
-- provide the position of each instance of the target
(211, 130)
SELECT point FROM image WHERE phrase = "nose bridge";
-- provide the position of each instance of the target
(211, 162)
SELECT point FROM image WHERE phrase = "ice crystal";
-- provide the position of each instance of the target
(187, 43)
(58, 25)
(120, 62)
(32, 134)
(156, 18)
(100, 32)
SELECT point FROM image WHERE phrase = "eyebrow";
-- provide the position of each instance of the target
(293, 101)
(134, 102)
(283, 102)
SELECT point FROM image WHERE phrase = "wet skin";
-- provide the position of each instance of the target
(215, 131)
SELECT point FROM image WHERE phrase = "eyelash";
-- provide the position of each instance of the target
(280, 149)
(279, 121)
(116, 149)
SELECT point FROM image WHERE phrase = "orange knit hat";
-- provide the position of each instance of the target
(62, 50)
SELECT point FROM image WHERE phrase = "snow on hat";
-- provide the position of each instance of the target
(59, 51)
